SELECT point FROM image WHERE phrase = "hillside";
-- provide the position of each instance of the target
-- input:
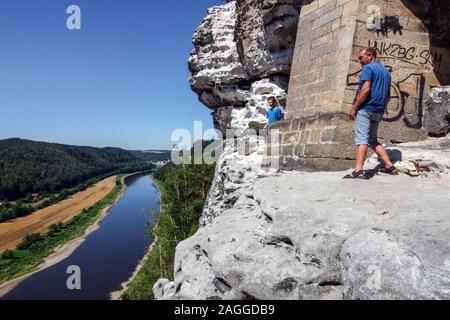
(29, 166)
(152, 155)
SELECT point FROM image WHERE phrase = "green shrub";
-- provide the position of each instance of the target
(29, 240)
(8, 255)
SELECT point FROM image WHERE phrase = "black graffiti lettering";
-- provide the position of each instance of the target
(375, 46)
(395, 48)
(402, 53)
(392, 24)
(425, 57)
(432, 58)
(409, 55)
(389, 24)
(384, 50)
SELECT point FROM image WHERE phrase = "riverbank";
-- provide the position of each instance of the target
(59, 255)
(117, 295)
(13, 232)
(183, 192)
(55, 245)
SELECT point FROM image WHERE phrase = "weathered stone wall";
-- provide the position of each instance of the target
(325, 72)
(320, 64)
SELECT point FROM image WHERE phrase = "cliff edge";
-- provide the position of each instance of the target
(272, 234)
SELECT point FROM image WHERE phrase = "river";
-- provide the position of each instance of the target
(107, 258)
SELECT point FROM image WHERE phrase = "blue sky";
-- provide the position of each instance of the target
(122, 80)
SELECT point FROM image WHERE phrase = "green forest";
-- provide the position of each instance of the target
(54, 172)
(40, 167)
(184, 189)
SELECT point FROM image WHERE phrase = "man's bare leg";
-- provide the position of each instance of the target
(382, 154)
(361, 155)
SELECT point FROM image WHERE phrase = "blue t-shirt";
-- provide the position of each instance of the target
(380, 80)
(274, 115)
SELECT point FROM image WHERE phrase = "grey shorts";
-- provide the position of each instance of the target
(366, 127)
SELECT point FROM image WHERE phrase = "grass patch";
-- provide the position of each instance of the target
(36, 247)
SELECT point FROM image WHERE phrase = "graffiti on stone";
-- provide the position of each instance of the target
(383, 26)
(406, 98)
(389, 24)
(413, 55)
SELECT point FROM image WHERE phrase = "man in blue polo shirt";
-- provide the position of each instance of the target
(368, 111)
(274, 114)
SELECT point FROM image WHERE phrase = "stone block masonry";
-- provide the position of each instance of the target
(325, 73)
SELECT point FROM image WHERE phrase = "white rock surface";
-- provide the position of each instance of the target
(437, 111)
(238, 168)
(215, 58)
(312, 235)
(243, 53)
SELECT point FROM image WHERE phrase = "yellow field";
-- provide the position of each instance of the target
(12, 232)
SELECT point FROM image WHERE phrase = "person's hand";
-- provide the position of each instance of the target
(352, 114)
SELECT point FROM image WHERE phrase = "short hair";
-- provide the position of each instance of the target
(272, 98)
(370, 51)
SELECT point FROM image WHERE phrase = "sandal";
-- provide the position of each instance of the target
(357, 175)
(391, 170)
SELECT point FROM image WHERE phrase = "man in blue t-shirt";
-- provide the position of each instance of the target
(274, 114)
(368, 111)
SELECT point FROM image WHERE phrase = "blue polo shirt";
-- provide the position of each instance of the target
(380, 80)
(274, 115)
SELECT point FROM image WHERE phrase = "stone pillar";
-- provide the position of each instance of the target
(321, 58)
(325, 73)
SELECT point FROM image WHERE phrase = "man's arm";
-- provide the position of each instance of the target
(365, 91)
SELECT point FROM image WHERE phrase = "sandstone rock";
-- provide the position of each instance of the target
(312, 235)
(437, 111)
(235, 171)
(215, 59)
(158, 288)
(243, 53)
